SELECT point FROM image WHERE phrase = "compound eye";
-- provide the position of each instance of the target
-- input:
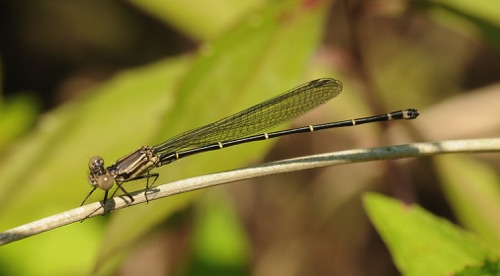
(105, 182)
(95, 163)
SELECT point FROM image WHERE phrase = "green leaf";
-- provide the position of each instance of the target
(473, 190)
(219, 243)
(45, 173)
(201, 20)
(485, 269)
(420, 243)
(16, 116)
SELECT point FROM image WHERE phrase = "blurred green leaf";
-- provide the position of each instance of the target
(485, 269)
(487, 9)
(219, 243)
(16, 116)
(201, 20)
(473, 190)
(45, 173)
(422, 244)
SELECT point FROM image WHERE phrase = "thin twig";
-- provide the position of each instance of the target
(289, 165)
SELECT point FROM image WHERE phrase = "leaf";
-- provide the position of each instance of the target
(17, 115)
(201, 20)
(484, 269)
(45, 172)
(219, 243)
(420, 243)
(473, 190)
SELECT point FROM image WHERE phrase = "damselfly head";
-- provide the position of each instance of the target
(98, 176)
(96, 164)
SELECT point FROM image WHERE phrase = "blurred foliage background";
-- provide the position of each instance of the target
(81, 78)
